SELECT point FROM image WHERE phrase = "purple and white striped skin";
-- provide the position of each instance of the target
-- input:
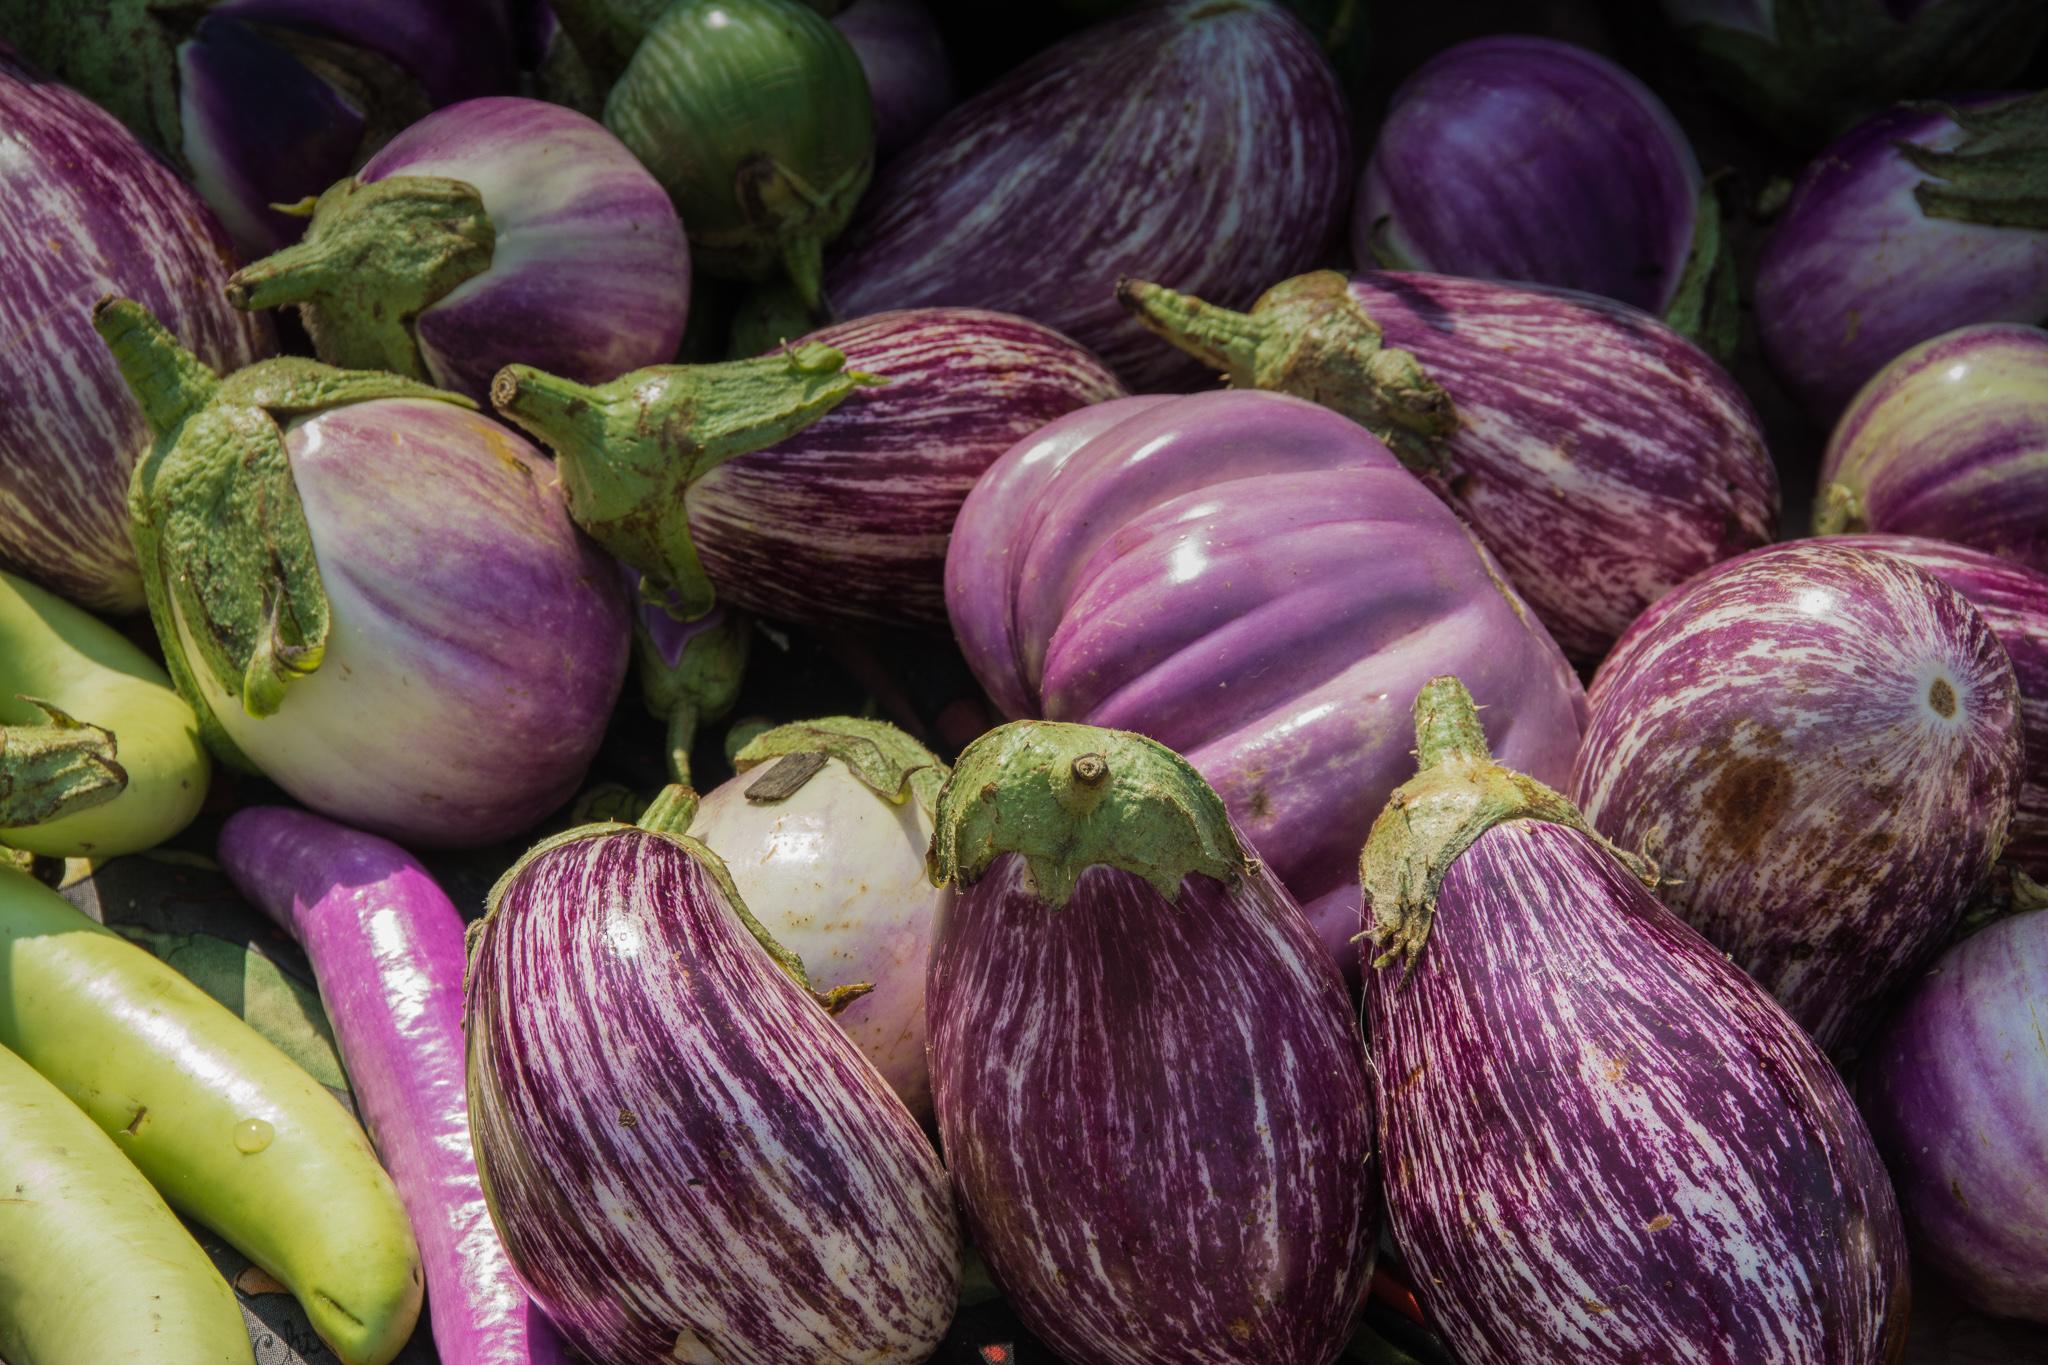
(90, 212)
(1522, 158)
(1855, 272)
(1200, 142)
(909, 74)
(687, 1160)
(1956, 1092)
(1950, 440)
(386, 946)
(1821, 747)
(1257, 583)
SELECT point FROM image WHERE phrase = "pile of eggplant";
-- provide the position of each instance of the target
(1129, 682)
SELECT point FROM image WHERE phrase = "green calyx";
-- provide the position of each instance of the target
(606, 32)
(374, 257)
(50, 771)
(888, 762)
(1071, 797)
(629, 450)
(1704, 306)
(1457, 794)
(1997, 174)
(1310, 337)
(226, 556)
(702, 684)
(1838, 510)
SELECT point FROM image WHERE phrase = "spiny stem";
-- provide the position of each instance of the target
(168, 381)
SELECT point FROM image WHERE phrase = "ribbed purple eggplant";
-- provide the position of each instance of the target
(1893, 235)
(1950, 440)
(686, 1159)
(1201, 142)
(1257, 583)
(88, 209)
(1600, 455)
(1956, 1091)
(909, 74)
(1822, 748)
(1603, 1143)
(1148, 1075)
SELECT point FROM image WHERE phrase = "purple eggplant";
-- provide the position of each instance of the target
(1915, 223)
(1201, 143)
(88, 209)
(1956, 1091)
(1603, 1143)
(495, 231)
(1257, 583)
(368, 592)
(834, 499)
(1821, 746)
(909, 74)
(1148, 1075)
(386, 945)
(686, 1159)
(1950, 440)
(1600, 455)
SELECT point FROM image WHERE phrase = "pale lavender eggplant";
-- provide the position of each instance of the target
(1203, 144)
(909, 74)
(1855, 271)
(1522, 158)
(1950, 440)
(1956, 1091)
(89, 211)
(686, 1159)
(1257, 583)
(1822, 748)
(386, 946)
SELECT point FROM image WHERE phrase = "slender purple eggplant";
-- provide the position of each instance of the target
(1956, 1091)
(387, 947)
(1950, 440)
(1821, 746)
(910, 77)
(686, 1159)
(1601, 456)
(495, 231)
(1913, 224)
(1203, 142)
(1255, 582)
(89, 208)
(1148, 1075)
(834, 500)
(1603, 1143)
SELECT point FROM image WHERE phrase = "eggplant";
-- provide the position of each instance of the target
(1199, 142)
(494, 231)
(685, 1158)
(1600, 455)
(89, 208)
(1603, 1143)
(795, 485)
(1913, 224)
(368, 592)
(910, 77)
(1148, 1076)
(690, 671)
(1950, 440)
(1253, 581)
(1822, 747)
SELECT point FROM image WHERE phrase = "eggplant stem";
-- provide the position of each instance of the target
(168, 381)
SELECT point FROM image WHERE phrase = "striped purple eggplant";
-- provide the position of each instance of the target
(495, 231)
(88, 210)
(1599, 454)
(687, 1161)
(1603, 1143)
(841, 509)
(1821, 746)
(1950, 440)
(1956, 1092)
(1909, 226)
(910, 77)
(1257, 583)
(1203, 142)
(1148, 1075)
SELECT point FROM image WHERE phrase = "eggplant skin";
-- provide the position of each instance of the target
(1604, 1143)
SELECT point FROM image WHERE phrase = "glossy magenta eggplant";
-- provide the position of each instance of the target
(1257, 583)
(1148, 1074)
(386, 946)
(910, 77)
(1821, 746)
(1603, 1143)
(1198, 142)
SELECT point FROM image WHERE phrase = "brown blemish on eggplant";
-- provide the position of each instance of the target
(1260, 805)
(1659, 1223)
(1942, 698)
(1747, 803)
